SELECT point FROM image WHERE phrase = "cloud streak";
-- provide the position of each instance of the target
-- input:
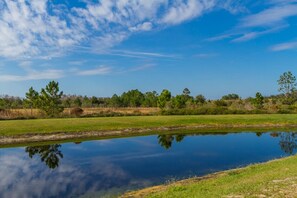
(271, 19)
(53, 74)
(284, 46)
(49, 74)
(44, 29)
(102, 70)
(270, 16)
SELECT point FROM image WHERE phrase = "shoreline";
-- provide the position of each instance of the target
(128, 132)
(216, 177)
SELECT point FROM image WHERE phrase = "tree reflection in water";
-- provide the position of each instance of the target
(288, 142)
(49, 154)
(166, 140)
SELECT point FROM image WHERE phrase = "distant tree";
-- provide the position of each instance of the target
(50, 99)
(8, 102)
(102, 101)
(220, 103)
(77, 102)
(258, 101)
(86, 102)
(287, 83)
(94, 101)
(132, 98)
(164, 97)
(200, 99)
(186, 92)
(31, 100)
(2, 104)
(67, 102)
(179, 101)
(231, 97)
(115, 101)
(17, 102)
(186, 99)
(150, 99)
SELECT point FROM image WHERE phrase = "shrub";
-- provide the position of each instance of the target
(76, 111)
(220, 103)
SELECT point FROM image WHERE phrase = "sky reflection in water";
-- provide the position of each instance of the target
(103, 167)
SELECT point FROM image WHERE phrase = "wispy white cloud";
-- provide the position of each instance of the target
(255, 34)
(243, 35)
(27, 29)
(142, 67)
(102, 70)
(234, 7)
(284, 46)
(221, 37)
(279, 2)
(77, 62)
(43, 29)
(205, 55)
(52, 74)
(182, 11)
(270, 17)
(146, 26)
(142, 54)
(48, 74)
(125, 53)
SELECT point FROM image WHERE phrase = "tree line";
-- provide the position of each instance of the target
(52, 101)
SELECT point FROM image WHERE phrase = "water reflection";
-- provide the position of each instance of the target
(166, 140)
(49, 154)
(287, 140)
(259, 134)
(95, 168)
(52, 154)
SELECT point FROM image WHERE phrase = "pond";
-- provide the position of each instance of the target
(105, 168)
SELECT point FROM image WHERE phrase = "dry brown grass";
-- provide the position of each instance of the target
(19, 113)
(27, 113)
(127, 110)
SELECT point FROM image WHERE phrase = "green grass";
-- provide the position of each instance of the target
(19, 127)
(277, 178)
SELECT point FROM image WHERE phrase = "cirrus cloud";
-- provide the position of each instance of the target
(44, 29)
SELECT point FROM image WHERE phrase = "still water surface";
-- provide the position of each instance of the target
(110, 167)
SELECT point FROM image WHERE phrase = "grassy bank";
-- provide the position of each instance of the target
(42, 126)
(276, 178)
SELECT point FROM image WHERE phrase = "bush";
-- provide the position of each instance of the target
(220, 103)
(76, 111)
(284, 111)
(203, 111)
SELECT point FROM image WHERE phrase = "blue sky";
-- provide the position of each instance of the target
(93, 47)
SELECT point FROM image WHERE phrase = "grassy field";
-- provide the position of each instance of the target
(40, 126)
(276, 178)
